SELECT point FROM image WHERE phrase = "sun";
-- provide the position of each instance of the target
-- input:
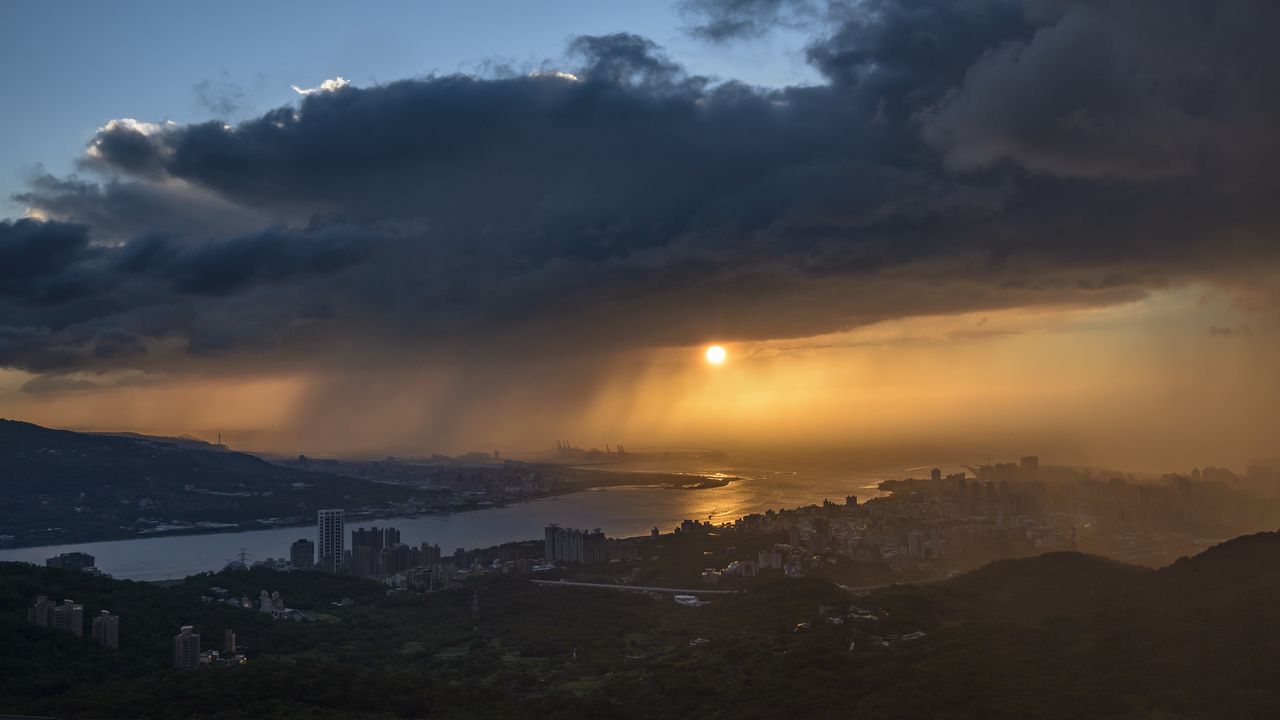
(716, 355)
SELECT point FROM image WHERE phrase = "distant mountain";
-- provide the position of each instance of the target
(182, 440)
(1075, 584)
(1234, 576)
(1033, 589)
(62, 486)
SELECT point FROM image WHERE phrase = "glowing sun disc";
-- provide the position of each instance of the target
(715, 355)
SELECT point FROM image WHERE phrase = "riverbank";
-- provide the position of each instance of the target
(619, 511)
(581, 480)
(650, 499)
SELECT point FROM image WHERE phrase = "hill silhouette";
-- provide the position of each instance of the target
(1196, 638)
(63, 486)
(1037, 588)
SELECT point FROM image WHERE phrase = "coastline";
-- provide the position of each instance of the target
(359, 515)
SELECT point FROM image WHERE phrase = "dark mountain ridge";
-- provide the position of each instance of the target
(1076, 584)
(63, 486)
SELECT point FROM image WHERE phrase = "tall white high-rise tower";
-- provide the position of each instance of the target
(330, 543)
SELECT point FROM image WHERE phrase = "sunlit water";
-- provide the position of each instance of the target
(620, 512)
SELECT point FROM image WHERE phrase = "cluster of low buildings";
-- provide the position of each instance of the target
(269, 603)
(188, 655)
(450, 483)
(68, 617)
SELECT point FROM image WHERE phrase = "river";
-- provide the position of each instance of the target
(619, 511)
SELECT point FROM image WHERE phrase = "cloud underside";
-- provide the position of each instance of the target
(958, 157)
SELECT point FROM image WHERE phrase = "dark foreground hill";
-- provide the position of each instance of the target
(60, 486)
(1036, 589)
(1057, 636)
(1090, 637)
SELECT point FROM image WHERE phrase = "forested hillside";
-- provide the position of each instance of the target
(62, 486)
(1058, 636)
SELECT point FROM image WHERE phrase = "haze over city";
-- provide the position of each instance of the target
(993, 226)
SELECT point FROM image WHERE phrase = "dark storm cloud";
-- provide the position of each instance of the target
(40, 262)
(275, 256)
(127, 149)
(119, 210)
(1132, 91)
(66, 302)
(961, 156)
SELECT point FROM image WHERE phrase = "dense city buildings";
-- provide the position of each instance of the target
(330, 539)
(186, 649)
(567, 545)
(368, 546)
(1029, 468)
(229, 641)
(374, 538)
(924, 527)
(395, 559)
(378, 553)
(302, 554)
(106, 629)
(430, 554)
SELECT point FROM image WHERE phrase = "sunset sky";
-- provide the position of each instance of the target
(997, 226)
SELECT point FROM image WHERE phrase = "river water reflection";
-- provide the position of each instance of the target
(620, 512)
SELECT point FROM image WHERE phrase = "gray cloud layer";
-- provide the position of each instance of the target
(959, 156)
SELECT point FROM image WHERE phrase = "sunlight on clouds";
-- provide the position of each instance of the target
(331, 85)
(558, 74)
(143, 128)
(146, 129)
